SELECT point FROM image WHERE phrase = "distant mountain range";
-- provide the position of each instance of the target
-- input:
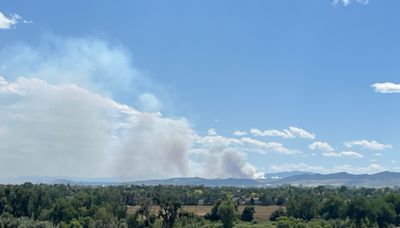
(383, 179)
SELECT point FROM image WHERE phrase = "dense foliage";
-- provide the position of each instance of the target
(31, 205)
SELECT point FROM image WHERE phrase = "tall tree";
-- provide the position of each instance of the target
(169, 207)
(227, 211)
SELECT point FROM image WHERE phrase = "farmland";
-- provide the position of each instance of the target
(262, 213)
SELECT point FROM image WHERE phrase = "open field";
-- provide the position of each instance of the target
(262, 212)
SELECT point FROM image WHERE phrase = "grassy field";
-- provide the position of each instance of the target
(262, 212)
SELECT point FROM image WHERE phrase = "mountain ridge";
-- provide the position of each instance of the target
(295, 178)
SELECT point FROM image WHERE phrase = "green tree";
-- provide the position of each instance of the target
(266, 199)
(358, 210)
(227, 211)
(276, 214)
(144, 215)
(248, 214)
(384, 213)
(394, 199)
(213, 215)
(303, 207)
(62, 211)
(104, 218)
(333, 208)
(169, 207)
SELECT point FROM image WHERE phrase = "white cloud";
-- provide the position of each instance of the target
(148, 102)
(347, 2)
(272, 133)
(239, 133)
(371, 145)
(301, 133)
(386, 87)
(297, 167)
(351, 154)
(268, 146)
(212, 132)
(372, 168)
(217, 141)
(318, 145)
(6, 22)
(9, 21)
(292, 132)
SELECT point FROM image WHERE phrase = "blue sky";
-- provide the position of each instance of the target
(200, 65)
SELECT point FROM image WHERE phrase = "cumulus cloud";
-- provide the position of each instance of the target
(386, 87)
(239, 133)
(273, 133)
(217, 143)
(351, 154)
(370, 145)
(318, 145)
(347, 2)
(292, 132)
(268, 146)
(371, 168)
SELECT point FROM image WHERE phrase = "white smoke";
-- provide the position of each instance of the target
(67, 130)
(60, 115)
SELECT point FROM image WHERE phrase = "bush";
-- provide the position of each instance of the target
(247, 214)
(276, 214)
(213, 215)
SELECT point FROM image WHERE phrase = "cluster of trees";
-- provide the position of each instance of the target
(328, 207)
(61, 204)
(363, 210)
(226, 211)
(31, 205)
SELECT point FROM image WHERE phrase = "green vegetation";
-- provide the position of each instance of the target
(248, 214)
(30, 205)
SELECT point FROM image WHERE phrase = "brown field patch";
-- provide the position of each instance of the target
(262, 212)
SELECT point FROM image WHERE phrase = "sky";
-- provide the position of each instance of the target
(159, 89)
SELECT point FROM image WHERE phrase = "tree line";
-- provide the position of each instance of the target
(40, 205)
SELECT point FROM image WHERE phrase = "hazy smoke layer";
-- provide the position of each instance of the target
(59, 116)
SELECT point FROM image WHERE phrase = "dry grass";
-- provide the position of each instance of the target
(262, 212)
